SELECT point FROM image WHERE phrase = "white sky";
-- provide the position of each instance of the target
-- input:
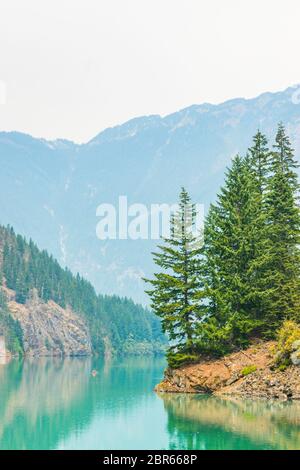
(74, 67)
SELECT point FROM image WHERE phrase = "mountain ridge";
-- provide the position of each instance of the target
(159, 117)
(50, 190)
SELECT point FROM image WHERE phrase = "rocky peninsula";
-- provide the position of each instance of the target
(249, 373)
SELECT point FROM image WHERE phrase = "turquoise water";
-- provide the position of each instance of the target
(58, 404)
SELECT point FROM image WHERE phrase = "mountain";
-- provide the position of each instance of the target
(45, 310)
(50, 191)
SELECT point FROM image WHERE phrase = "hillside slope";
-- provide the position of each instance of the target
(48, 329)
(45, 310)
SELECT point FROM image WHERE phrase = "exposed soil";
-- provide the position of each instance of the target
(248, 373)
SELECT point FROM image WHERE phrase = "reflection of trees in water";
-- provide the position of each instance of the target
(41, 398)
(131, 378)
(44, 400)
(197, 422)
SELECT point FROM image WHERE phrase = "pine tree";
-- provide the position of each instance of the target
(259, 155)
(230, 256)
(176, 293)
(282, 273)
(259, 158)
(249, 281)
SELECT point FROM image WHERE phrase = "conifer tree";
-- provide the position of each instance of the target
(230, 255)
(282, 275)
(259, 158)
(176, 293)
(249, 281)
(259, 155)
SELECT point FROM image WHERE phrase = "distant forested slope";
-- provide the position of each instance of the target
(114, 323)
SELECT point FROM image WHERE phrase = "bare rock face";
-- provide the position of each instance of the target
(295, 356)
(49, 330)
(248, 373)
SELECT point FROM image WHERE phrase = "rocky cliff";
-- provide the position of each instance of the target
(48, 329)
(248, 373)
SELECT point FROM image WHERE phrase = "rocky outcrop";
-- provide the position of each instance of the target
(48, 329)
(248, 373)
(295, 355)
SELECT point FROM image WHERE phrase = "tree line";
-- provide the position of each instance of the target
(239, 279)
(124, 325)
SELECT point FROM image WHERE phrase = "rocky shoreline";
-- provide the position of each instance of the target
(249, 373)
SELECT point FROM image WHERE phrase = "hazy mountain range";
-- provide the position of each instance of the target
(49, 190)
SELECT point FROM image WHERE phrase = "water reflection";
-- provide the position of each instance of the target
(202, 422)
(44, 401)
(53, 403)
(38, 399)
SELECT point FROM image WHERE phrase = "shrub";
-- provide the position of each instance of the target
(176, 360)
(282, 367)
(248, 370)
(286, 336)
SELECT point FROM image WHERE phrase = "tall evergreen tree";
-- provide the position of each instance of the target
(282, 274)
(176, 293)
(249, 281)
(230, 257)
(259, 155)
(259, 158)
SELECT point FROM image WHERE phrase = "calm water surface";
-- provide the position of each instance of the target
(57, 404)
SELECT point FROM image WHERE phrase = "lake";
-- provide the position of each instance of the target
(58, 404)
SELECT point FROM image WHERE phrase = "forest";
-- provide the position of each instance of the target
(131, 328)
(238, 279)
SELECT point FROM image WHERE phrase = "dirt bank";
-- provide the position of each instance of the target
(247, 373)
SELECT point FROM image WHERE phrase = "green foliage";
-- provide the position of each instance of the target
(232, 256)
(178, 359)
(10, 328)
(247, 276)
(111, 319)
(133, 347)
(251, 252)
(248, 370)
(260, 156)
(285, 363)
(286, 336)
(176, 293)
(282, 266)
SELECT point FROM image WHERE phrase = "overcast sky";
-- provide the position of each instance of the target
(74, 67)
